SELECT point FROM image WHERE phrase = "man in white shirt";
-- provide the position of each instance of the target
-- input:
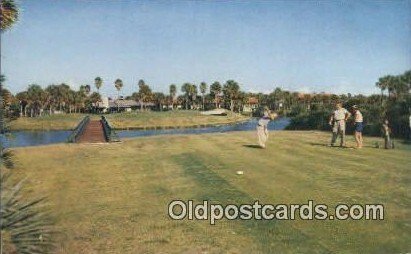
(337, 121)
(262, 126)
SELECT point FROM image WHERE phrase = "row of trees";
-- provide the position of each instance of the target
(394, 104)
(36, 100)
(397, 86)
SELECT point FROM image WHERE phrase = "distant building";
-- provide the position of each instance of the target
(251, 105)
(108, 105)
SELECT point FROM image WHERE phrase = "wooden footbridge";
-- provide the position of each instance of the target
(93, 131)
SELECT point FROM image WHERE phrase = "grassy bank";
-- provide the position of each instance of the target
(113, 198)
(132, 120)
(53, 122)
(169, 119)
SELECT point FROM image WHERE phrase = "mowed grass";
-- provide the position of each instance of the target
(169, 119)
(47, 122)
(129, 120)
(113, 198)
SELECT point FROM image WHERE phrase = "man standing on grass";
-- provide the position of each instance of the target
(358, 119)
(262, 126)
(337, 121)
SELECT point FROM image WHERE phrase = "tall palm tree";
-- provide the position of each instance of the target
(63, 91)
(98, 82)
(190, 93)
(91, 101)
(9, 14)
(231, 92)
(144, 93)
(384, 84)
(216, 90)
(173, 93)
(37, 98)
(22, 97)
(203, 90)
(118, 84)
(193, 92)
(185, 88)
(159, 99)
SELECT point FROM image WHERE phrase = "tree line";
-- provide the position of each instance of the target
(35, 100)
(393, 104)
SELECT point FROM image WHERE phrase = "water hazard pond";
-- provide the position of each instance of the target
(37, 138)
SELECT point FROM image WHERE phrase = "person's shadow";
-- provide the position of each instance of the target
(318, 144)
(253, 146)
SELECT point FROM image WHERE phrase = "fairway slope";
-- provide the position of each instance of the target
(113, 198)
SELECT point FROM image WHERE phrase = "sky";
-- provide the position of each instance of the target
(307, 46)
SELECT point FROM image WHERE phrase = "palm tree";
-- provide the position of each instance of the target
(76, 99)
(193, 92)
(71, 100)
(216, 90)
(63, 95)
(173, 93)
(190, 92)
(185, 88)
(37, 97)
(52, 91)
(9, 14)
(159, 98)
(98, 82)
(383, 84)
(203, 90)
(91, 101)
(25, 226)
(144, 93)
(231, 92)
(401, 85)
(23, 101)
(118, 84)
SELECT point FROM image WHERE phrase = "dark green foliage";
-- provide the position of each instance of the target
(26, 225)
(395, 109)
(314, 120)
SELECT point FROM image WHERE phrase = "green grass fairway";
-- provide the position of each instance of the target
(113, 198)
(132, 120)
(53, 122)
(169, 119)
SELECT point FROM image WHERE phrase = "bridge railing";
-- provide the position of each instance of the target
(78, 130)
(111, 135)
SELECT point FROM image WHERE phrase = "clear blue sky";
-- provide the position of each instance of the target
(332, 46)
